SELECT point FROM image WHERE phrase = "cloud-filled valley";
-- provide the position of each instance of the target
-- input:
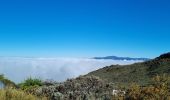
(59, 69)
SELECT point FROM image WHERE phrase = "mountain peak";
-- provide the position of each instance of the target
(164, 56)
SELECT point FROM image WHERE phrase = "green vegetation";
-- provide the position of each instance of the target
(140, 73)
(92, 88)
(21, 91)
(30, 83)
(158, 90)
(7, 82)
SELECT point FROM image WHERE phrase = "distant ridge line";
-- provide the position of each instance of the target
(121, 58)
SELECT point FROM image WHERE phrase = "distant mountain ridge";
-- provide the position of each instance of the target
(121, 58)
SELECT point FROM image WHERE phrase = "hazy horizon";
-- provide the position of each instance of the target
(57, 69)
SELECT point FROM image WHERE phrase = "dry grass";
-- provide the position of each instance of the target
(14, 94)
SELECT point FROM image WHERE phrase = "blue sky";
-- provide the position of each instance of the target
(84, 28)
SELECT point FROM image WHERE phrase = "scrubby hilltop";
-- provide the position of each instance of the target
(140, 73)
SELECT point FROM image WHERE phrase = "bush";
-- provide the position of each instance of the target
(158, 90)
(81, 88)
(30, 84)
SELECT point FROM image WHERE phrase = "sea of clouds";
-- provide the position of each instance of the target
(18, 69)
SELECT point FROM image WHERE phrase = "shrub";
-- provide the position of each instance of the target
(30, 83)
(81, 88)
(158, 90)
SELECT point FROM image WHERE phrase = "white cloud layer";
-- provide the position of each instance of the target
(59, 69)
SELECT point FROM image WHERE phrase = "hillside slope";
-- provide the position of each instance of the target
(99, 85)
(140, 73)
